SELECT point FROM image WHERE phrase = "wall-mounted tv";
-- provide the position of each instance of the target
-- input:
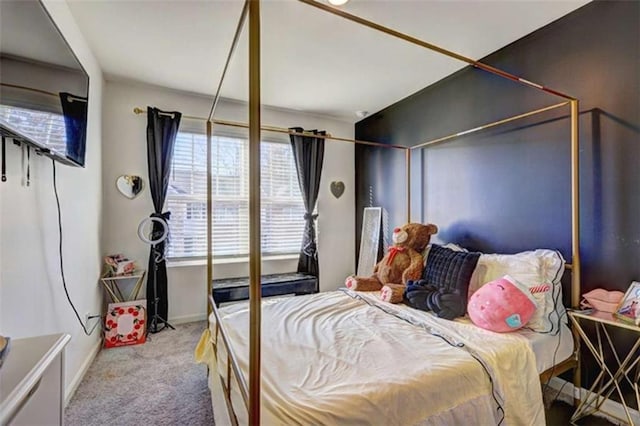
(43, 87)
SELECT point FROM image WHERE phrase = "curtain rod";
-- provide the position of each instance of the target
(30, 89)
(70, 97)
(275, 129)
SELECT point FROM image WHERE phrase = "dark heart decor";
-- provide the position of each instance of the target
(337, 188)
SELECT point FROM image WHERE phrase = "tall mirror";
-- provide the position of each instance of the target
(43, 86)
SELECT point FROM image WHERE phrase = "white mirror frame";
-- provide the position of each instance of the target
(369, 240)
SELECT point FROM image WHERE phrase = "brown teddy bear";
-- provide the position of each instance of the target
(403, 262)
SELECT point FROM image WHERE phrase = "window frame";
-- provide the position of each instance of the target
(241, 257)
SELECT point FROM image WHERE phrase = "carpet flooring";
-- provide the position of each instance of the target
(156, 383)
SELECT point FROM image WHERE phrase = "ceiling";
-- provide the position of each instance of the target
(312, 61)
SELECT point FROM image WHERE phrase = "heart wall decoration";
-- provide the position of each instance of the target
(130, 185)
(337, 188)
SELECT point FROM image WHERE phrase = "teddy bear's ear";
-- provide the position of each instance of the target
(433, 229)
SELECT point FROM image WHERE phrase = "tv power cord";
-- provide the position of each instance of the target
(64, 281)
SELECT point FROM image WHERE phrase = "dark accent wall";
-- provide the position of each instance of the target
(508, 189)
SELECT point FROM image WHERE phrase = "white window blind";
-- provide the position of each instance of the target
(282, 209)
(46, 128)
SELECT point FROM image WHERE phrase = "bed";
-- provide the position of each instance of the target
(328, 362)
(324, 359)
(346, 357)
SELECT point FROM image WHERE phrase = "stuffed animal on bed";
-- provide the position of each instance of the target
(403, 262)
(503, 305)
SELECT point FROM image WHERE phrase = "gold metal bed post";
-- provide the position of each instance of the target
(408, 179)
(209, 216)
(255, 309)
(575, 204)
(575, 239)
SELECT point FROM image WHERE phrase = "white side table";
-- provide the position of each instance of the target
(32, 381)
(610, 377)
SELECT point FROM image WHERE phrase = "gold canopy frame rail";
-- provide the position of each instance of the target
(254, 53)
(275, 129)
(251, 10)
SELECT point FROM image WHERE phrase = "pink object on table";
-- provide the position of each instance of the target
(501, 305)
(602, 300)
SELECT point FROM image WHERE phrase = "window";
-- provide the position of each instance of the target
(282, 209)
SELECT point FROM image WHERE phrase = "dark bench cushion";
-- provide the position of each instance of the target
(232, 289)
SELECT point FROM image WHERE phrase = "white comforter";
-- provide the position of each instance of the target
(347, 358)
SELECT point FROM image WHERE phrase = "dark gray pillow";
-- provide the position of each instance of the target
(449, 272)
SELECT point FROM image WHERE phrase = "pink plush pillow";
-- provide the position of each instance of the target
(531, 269)
(501, 305)
(602, 300)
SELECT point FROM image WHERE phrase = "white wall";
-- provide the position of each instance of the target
(32, 300)
(124, 152)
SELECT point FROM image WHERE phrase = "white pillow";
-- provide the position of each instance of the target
(531, 268)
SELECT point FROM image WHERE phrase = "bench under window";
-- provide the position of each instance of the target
(233, 289)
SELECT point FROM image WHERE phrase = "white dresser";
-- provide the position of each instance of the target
(32, 381)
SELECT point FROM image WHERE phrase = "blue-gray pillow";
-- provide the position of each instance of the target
(445, 282)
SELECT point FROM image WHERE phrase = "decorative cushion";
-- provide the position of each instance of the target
(452, 246)
(531, 268)
(602, 300)
(502, 305)
(445, 282)
(426, 297)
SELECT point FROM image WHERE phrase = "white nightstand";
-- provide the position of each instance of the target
(32, 381)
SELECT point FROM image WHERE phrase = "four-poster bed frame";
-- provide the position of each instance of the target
(251, 394)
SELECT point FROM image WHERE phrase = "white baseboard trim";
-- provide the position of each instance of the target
(188, 318)
(75, 382)
(611, 410)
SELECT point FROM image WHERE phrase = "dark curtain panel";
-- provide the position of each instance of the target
(162, 128)
(308, 153)
(74, 110)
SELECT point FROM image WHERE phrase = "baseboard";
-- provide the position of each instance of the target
(611, 410)
(188, 318)
(75, 382)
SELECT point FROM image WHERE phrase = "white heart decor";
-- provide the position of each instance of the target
(130, 185)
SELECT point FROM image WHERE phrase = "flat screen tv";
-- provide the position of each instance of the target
(43, 87)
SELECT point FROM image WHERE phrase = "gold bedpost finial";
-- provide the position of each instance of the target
(137, 110)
